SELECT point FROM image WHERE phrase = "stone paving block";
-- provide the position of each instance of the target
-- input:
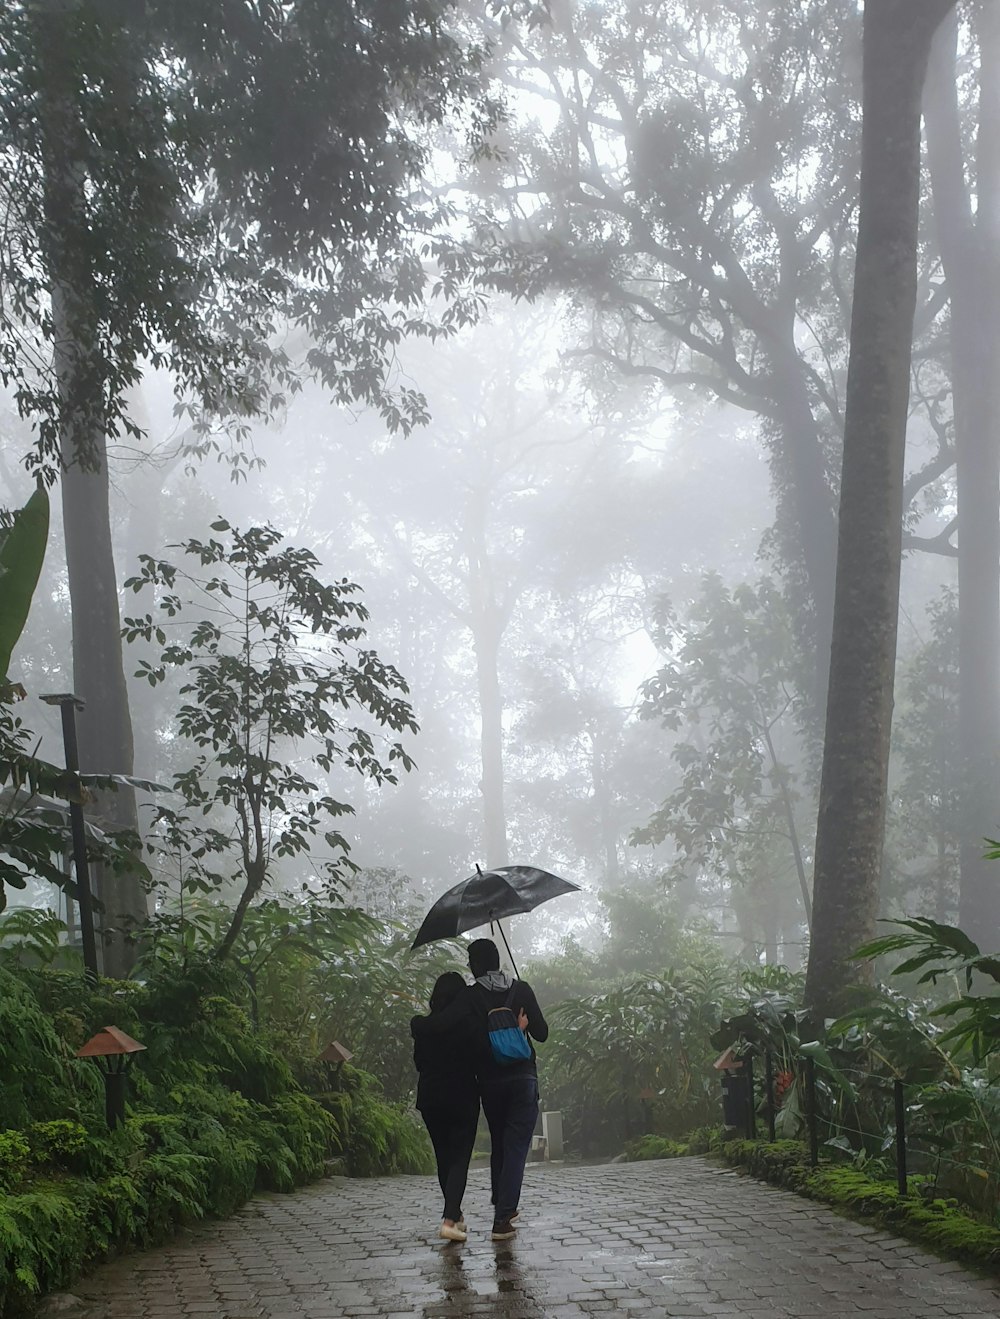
(672, 1240)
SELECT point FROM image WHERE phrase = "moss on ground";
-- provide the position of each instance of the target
(939, 1224)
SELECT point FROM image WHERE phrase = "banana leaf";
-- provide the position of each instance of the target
(22, 550)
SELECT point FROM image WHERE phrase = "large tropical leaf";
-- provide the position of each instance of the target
(22, 550)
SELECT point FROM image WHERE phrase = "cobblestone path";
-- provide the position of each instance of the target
(678, 1239)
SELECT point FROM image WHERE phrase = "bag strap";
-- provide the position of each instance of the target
(510, 997)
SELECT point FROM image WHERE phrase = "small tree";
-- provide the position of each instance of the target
(728, 685)
(276, 665)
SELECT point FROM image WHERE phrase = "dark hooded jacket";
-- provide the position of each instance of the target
(470, 1008)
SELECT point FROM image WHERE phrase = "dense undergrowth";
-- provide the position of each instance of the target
(215, 1112)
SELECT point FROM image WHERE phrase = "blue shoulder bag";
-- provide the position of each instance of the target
(508, 1042)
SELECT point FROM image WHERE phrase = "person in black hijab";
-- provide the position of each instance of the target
(448, 1099)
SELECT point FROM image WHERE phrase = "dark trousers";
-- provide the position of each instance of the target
(453, 1133)
(511, 1108)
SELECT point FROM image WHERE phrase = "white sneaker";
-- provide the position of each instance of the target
(457, 1232)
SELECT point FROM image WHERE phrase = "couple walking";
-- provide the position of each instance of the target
(457, 1069)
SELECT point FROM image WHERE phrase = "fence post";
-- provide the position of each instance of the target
(811, 1114)
(769, 1082)
(897, 1087)
(751, 1122)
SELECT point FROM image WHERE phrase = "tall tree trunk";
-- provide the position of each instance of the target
(603, 801)
(970, 253)
(105, 728)
(799, 479)
(851, 824)
(487, 620)
(99, 680)
(487, 643)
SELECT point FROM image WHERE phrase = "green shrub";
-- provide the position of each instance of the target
(654, 1147)
(380, 1137)
(704, 1140)
(15, 1155)
(44, 1242)
(213, 1113)
(39, 1079)
(64, 1146)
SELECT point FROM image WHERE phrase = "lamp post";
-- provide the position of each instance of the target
(68, 705)
(111, 1049)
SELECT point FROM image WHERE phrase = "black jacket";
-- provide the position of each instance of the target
(471, 1008)
(446, 1063)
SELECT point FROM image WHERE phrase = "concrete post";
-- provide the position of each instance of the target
(552, 1130)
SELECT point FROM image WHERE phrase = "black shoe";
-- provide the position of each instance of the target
(503, 1230)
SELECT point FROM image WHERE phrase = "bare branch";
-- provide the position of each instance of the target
(939, 544)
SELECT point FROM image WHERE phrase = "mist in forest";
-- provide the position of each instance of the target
(585, 481)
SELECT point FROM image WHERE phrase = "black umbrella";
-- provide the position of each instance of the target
(486, 897)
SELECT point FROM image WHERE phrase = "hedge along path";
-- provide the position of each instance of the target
(675, 1239)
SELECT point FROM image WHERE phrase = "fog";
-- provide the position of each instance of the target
(602, 556)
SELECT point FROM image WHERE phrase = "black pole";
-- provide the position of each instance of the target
(751, 1119)
(114, 1098)
(68, 706)
(811, 1115)
(769, 1082)
(897, 1087)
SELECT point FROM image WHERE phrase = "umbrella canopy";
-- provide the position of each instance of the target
(487, 896)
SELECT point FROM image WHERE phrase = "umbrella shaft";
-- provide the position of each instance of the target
(507, 946)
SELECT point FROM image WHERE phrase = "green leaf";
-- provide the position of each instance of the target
(22, 551)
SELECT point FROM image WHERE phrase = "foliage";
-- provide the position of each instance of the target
(945, 1050)
(636, 1056)
(654, 1147)
(37, 1078)
(280, 949)
(34, 815)
(939, 1052)
(255, 692)
(695, 166)
(384, 1137)
(367, 1001)
(938, 951)
(927, 780)
(307, 973)
(214, 1113)
(703, 1140)
(728, 681)
(22, 549)
(27, 932)
(160, 175)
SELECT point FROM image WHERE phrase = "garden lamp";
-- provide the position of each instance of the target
(336, 1053)
(111, 1049)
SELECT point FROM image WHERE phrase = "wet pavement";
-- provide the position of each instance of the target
(678, 1239)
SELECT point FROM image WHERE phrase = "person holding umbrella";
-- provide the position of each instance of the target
(508, 1089)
